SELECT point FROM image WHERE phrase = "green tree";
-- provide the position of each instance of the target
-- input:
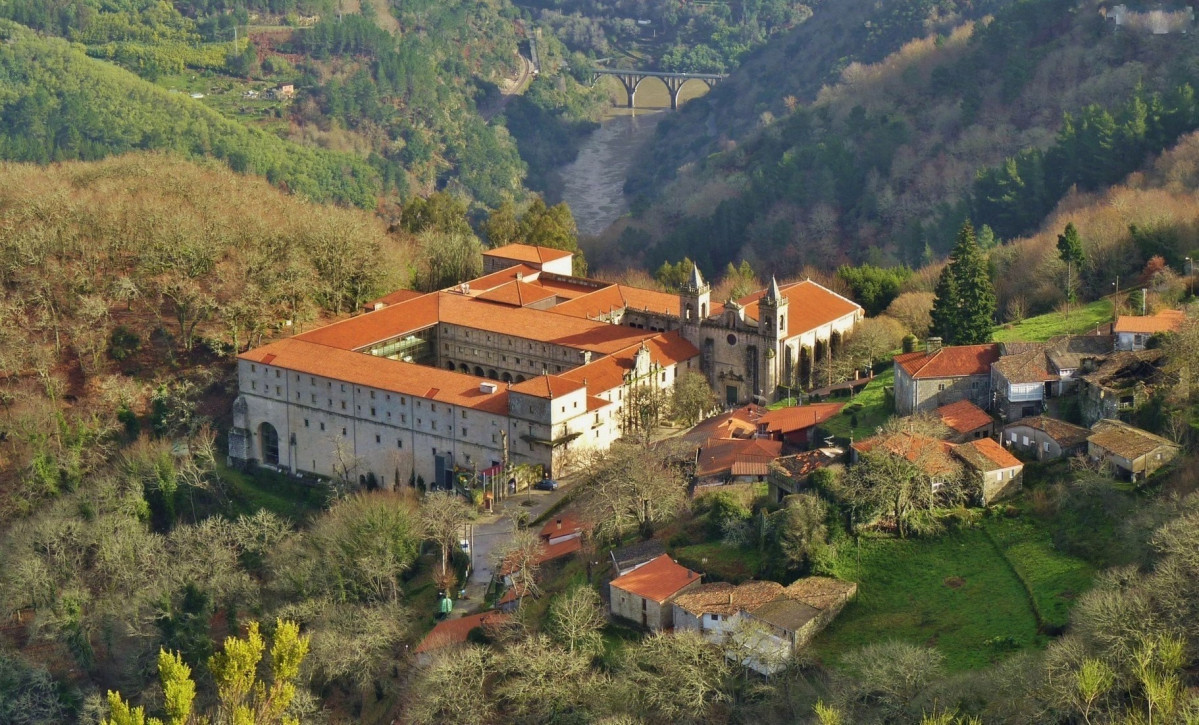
(1069, 248)
(800, 531)
(964, 308)
(502, 225)
(693, 397)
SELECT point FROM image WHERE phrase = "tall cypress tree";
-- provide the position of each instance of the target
(964, 308)
(1069, 247)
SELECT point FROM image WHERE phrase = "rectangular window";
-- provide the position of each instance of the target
(343, 405)
(343, 387)
(278, 390)
(276, 373)
(463, 432)
(434, 425)
(372, 410)
(305, 422)
(311, 380)
(314, 398)
(403, 418)
(322, 426)
(433, 407)
(343, 432)
(399, 443)
(372, 395)
(377, 438)
(1046, 446)
(464, 415)
(253, 385)
(253, 368)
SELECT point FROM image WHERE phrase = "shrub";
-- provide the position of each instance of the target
(123, 343)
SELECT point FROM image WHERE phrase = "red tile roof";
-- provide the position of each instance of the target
(963, 416)
(548, 552)
(358, 368)
(516, 293)
(541, 325)
(390, 322)
(495, 279)
(564, 524)
(394, 298)
(547, 386)
(657, 581)
(913, 447)
(526, 253)
(1164, 321)
(799, 417)
(455, 631)
(606, 373)
(738, 423)
(986, 455)
(949, 362)
(722, 455)
(1066, 434)
(810, 306)
(804, 464)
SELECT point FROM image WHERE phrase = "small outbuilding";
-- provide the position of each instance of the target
(1001, 472)
(1132, 453)
(966, 421)
(1045, 438)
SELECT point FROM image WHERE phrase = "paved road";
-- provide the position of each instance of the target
(490, 534)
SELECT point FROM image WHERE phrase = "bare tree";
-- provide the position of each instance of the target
(576, 618)
(520, 559)
(630, 486)
(443, 516)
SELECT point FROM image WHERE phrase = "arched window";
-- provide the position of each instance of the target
(478, 371)
(520, 378)
(464, 368)
(688, 312)
(493, 375)
(449, 364)
(506, 377)
(703, 310)
(269, 438)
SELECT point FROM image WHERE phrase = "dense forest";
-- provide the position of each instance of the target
(882, 165)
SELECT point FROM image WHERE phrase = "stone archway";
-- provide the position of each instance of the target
(268, 439)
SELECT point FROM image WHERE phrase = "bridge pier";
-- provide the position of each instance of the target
(674, 82)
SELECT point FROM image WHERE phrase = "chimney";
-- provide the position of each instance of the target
(520, 276)
(559, 524)
(1144, 297)
(932, 345)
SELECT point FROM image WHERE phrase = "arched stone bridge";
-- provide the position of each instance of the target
(674, 82)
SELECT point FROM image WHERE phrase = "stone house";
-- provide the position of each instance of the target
(1132, 453)
(646, 594)
(966, 421)
(1123, 382)
(937, 376)
(1045, 438)
(999, 472)
(1020, 381)
(714, 609)
(774, 631)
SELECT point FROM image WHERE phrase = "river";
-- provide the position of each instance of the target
(593, 184)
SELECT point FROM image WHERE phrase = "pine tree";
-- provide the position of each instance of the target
(1069, 247)
(964, 308)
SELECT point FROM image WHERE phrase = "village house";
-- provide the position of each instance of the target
(796, 425)
(1123, 382)
(451, 633)
(524, 365)
(1132, 453)
(646, 594)
(1027, 374)
(775, 631)
(931, 455)
(791, 473)
(937, 376)
(761, 624)
(1000, 472)
(1133, 331)
(1046, 438)
(736, 460)
(563, 527)
(966, 421)
(627, 558)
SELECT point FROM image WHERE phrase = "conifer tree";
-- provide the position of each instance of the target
(964, 308)
(1069, 247)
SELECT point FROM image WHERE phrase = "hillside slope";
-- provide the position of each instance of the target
(58, 104)
(882, 165)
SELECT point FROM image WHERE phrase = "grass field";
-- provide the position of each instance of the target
(1042, 327)
(875, 409)
(719, 562)
(272, 491)
(954, 592)
(1053, 579)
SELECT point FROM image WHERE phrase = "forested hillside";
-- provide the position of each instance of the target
(882, 165)
(408, 94)
(58, 104)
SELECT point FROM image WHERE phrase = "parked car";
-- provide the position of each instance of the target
(546, 484)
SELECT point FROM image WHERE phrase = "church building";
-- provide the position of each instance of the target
(524, 365)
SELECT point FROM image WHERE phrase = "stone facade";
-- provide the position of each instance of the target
(526, 365)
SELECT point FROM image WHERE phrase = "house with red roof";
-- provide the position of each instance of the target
(936, 376)
(1133, 331)
(451, 633)
(646, 594)
(966, 421)
(999, 473)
